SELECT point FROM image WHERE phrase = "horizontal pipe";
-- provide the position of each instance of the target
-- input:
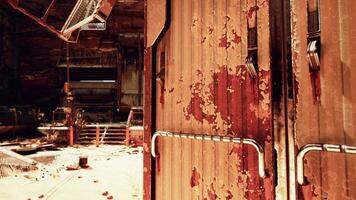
(336, 148)
(215, 138)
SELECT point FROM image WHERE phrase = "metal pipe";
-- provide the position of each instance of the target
(215, 138)
(50, 28)
(336, 148)
(44, 17)
(97, 133)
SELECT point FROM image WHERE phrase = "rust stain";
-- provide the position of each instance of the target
(236, 38)
(223, 41)
(212, 192)
(161, 98)
(307, 192)
(210, 30)
(251, 11)
(229, 195)
(210, 101)
(180, 79)
(203, 40)
(195, 178)
(316, 88)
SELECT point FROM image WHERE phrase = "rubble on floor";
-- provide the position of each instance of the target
(110, 172)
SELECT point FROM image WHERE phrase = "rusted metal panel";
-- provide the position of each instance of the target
(348, 59)
(147, 169)
(156, 18)
(190, 166)
(205, 88)
(328, 121)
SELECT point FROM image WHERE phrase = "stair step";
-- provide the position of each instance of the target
(109, 137)
(113, 135)
(104, 142)
(102, 134)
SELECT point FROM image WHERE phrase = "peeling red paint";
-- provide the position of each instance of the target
(212, 193)
(316, 88)
(252, 10)
(223, 41)
(194, 179)
(226, 88)
(307, 192)
(158, 163)
(161, 98)
(237, 38)
(211, 29)
(229, 195)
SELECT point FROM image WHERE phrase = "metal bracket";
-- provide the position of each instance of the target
(216, 138)
(319, 147)
(86, 15)
(313, 54)
(251, 64)
(313, 49)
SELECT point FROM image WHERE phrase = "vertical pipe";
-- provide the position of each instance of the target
(140, 61)
(97, 136)
(127, 138)
(118, 79)
(71, 136)
(67, 58)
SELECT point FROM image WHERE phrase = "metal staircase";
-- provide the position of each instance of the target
(108, 134)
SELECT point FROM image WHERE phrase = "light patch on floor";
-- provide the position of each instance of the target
(115, 171)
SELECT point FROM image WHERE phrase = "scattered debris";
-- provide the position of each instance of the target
(29, 177)
(83, 161)
(62, 169)
(17, 156)
(73, 167)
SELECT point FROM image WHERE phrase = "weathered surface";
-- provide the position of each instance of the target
(207, 90)
(328, 121)
(155, 19)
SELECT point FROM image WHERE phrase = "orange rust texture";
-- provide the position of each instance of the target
(155, 18)
(208, 90)
(330, 175)
(147, 169)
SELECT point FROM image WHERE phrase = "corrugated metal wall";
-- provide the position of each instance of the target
(208, 90)
(333, 120)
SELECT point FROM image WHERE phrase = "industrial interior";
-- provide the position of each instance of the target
(177, 99)
(71, 75)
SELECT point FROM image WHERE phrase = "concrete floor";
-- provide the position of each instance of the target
(115, 173)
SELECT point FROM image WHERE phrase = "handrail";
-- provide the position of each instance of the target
(215, 138)
(319, 147)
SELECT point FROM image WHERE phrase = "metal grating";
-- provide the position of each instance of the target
(83, 12)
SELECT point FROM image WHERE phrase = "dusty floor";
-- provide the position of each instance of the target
(115, 173)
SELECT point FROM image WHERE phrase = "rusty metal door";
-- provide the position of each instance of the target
(325, 112)
(211, 116)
